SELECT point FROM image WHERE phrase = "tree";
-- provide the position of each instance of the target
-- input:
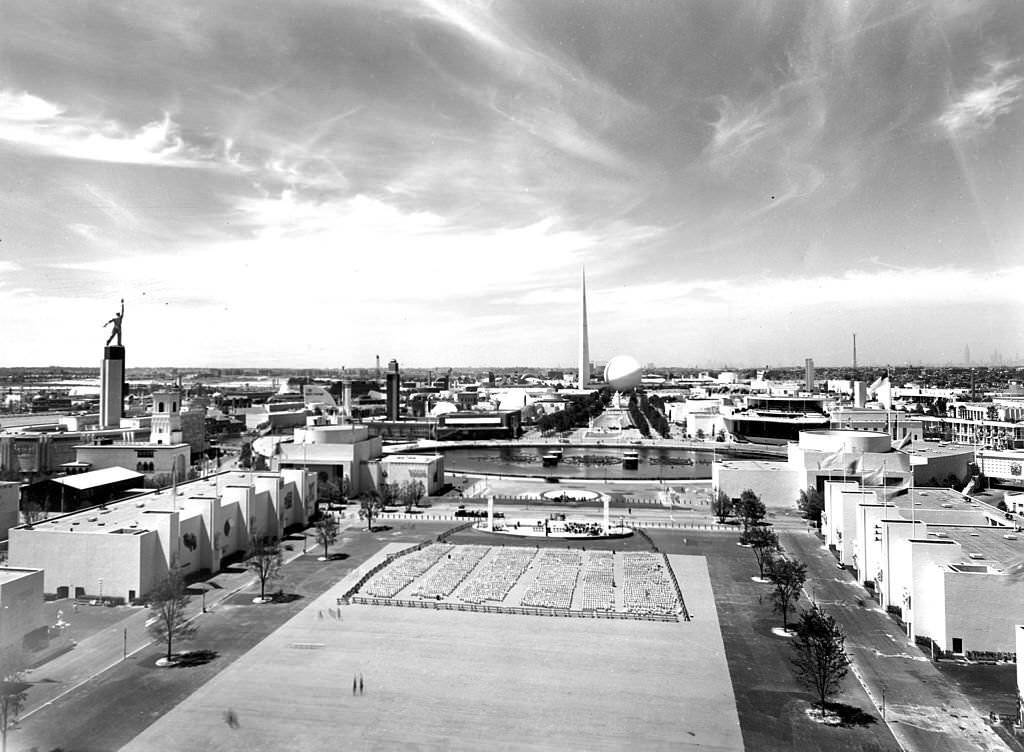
(34, 512)
(411, 492)
(245, 456)
(167, 603)
(264, 559)
(721, 505)
(819, 654)
(751, 510)
(811, 504)
(764, 542)
(788, 577)
(417, 490)
(326, 532)
(13, 691)
(369, 507)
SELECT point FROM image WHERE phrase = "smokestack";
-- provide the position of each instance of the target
(393, 386)
(378, 368)
(855, 355)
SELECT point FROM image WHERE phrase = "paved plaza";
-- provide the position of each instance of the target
(459, 680)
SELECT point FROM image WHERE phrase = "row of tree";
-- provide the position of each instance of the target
(819, 645)
(654, 413)
(578, 412)
(748, 509)
(637, 417)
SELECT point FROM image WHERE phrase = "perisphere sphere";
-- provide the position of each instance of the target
(622, 373)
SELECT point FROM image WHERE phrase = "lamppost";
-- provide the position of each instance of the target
(101, 589)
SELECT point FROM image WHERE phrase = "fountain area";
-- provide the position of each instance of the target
(556, 525)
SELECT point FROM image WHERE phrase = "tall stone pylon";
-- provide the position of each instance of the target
(584, 364)
(112, 375)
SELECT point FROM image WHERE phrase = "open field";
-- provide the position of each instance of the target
(454, 680)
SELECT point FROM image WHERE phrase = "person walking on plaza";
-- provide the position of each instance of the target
(353, 685)
(360, 685)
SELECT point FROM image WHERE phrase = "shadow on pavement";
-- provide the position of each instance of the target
(850, 715)
(195, 658)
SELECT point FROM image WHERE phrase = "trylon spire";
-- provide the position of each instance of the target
(584, 364)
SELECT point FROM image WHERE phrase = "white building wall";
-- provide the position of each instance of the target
(870, 536)
(778, 487)
(832, 515)
(21, 605)
(75, 560)
(926, 613)
(894, 587)
(431, 474)
(982, 609)
(846, 507)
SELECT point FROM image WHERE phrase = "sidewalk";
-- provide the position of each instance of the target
(111, 645)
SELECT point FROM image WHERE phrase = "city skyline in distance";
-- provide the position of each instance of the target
(314, 185)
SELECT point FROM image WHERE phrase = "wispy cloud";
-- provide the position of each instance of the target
(739, 126)
(36, 124)
(977, 109)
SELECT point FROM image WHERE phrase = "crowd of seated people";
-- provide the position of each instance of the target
(449, 572)
(555, 582)
(597, 579)
(402, 571)
(584, 528)
(492, 581)
(648, 588)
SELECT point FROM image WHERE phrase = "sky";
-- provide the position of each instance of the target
(312, 184)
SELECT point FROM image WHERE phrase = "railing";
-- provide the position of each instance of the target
(348, 595)
(679, 591)
(519, 610)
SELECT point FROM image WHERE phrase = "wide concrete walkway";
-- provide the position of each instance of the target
(459, 680)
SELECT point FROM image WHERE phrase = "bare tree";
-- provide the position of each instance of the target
(326, 532)
(264, 559)
(764, 542)
(13, 691)
(788, 577)
(819, 654)
(167, 603)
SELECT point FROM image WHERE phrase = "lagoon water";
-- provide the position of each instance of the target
(595, 462)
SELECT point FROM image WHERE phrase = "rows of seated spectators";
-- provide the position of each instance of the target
(449, 572)
(648, 588)
(597, 580)
(497, 575)
(555, 582)
(402, 571)
(584, 528)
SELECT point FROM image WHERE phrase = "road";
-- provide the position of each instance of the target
(924, 710)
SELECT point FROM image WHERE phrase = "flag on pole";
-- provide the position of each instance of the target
(830, 461)
(874, 477)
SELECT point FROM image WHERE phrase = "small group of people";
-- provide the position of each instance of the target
(357, 684)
